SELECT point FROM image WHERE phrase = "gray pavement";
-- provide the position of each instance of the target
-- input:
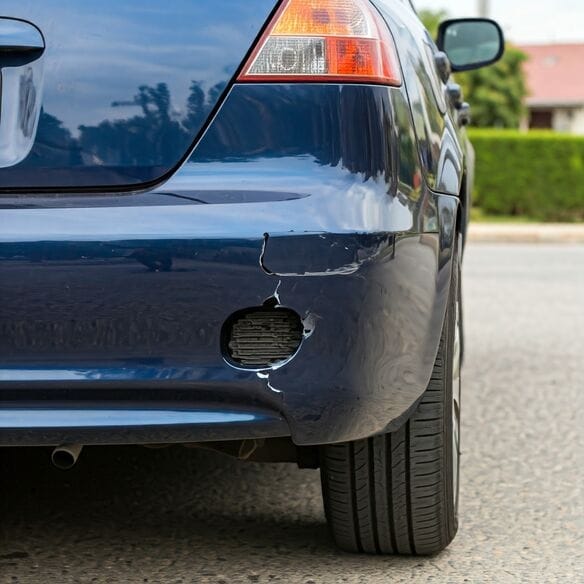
(176, 516)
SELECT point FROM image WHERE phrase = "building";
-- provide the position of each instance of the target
(555, 78)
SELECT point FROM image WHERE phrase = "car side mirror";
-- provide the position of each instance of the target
(471, 43)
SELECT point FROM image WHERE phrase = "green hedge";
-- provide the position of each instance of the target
(539, 174)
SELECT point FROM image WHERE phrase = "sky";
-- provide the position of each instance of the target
(524, 21)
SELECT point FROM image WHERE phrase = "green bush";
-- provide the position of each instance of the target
(538, 175)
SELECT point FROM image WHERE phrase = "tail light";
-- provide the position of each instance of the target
(324, 40)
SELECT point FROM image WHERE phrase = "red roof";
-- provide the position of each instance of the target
(555, 74)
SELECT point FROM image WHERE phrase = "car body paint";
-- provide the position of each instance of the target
(342, 230)
(441, 144)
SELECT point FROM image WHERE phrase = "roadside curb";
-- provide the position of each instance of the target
(526, 233)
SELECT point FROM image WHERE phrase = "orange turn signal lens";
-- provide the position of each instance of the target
(328, 18)
(325, 40)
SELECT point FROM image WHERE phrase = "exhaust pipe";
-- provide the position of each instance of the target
(65, 457)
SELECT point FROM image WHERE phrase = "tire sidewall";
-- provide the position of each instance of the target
(454, 304)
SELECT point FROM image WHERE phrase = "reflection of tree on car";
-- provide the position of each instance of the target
(157, 138)
(152, 137)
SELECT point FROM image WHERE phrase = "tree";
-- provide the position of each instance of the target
(496, 93)
(432, 20)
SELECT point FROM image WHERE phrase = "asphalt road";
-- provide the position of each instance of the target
(176, 516)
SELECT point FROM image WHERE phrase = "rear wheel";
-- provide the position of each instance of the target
(398, 493)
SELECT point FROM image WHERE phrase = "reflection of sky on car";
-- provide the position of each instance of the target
(100, 417)
(340, 201)
(101, 52)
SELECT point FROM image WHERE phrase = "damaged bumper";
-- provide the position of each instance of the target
(111, 318)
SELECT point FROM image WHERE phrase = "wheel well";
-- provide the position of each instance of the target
(463, 213)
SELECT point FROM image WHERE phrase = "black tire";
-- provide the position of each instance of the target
(395, 493)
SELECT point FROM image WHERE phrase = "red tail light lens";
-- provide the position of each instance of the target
(325, 40)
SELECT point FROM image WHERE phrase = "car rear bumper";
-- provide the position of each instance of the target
(111, 320)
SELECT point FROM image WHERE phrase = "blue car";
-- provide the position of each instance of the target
(239, 225)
